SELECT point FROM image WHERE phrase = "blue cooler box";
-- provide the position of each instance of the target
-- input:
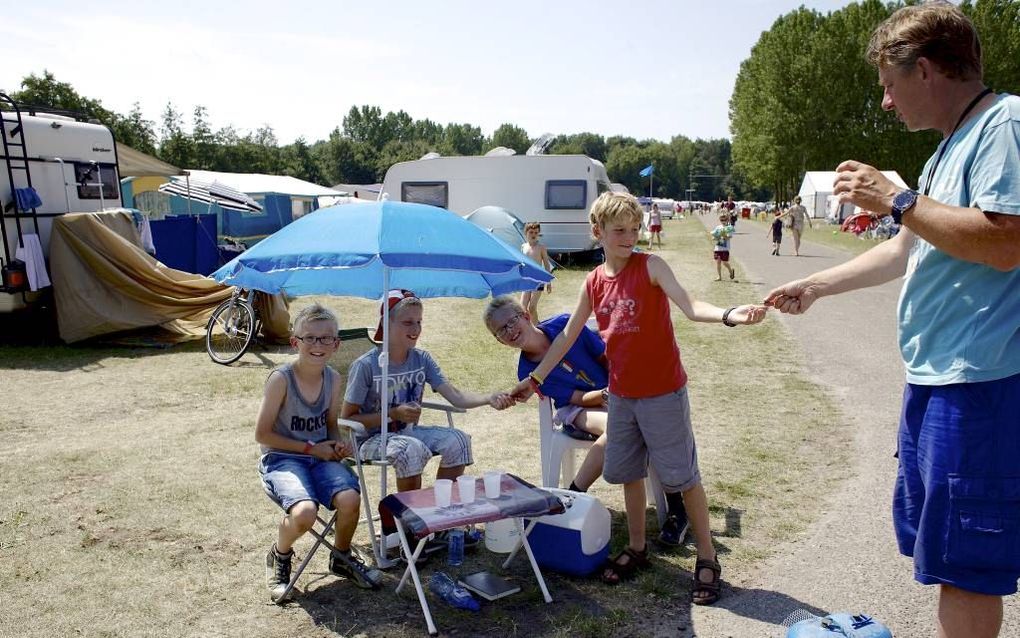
(836, 625)
(575, 542)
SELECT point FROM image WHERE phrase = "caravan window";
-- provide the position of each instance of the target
(88, 176)
(432, 193)
(566, 194)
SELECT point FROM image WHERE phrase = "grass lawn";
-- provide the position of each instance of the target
(130, 504)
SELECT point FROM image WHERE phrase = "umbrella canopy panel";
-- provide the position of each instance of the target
(345, 250)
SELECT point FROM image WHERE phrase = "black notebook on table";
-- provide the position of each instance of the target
(488, 586)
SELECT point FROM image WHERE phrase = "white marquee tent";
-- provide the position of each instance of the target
(817, 187)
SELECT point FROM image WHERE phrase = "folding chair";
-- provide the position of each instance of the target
(355, 430)
(320, 539)
(558, 450)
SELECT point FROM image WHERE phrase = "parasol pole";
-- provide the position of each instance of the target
(384, 382)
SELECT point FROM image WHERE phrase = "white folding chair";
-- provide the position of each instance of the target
(356, 430)
(558, 451)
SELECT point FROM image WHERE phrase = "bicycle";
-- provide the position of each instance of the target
(232, 327)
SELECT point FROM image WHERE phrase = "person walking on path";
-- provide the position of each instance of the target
(956, 490)
(721, 235)
(797, 215)
(776, 231)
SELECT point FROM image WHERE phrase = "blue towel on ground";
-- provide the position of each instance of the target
(27, 199)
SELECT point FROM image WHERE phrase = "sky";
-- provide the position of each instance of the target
(645, 69)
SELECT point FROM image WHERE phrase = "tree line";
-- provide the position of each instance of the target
(367, 142)
(807, 99)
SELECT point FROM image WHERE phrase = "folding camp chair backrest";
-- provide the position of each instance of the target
(557, 454)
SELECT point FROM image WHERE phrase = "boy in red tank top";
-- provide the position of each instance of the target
(649, 413)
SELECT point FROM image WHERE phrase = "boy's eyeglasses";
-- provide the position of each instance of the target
(508, 326)
(322, 341)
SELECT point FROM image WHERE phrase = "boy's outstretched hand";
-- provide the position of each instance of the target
(748, 314)
(522, 391)
(501, 400)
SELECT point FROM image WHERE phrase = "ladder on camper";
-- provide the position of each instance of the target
(16, 161)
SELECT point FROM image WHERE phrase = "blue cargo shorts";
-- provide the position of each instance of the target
(956, 506)
(290, 478)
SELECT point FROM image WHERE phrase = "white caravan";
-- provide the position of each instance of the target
(554, 190)
(71, 165)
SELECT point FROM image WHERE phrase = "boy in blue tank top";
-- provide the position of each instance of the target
(301, 453)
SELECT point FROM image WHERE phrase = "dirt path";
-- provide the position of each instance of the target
(848, 560)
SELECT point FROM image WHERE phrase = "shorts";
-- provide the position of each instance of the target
(565, 418)
(956, 506)
(777, 238)
(797, 228)
(654, 430)
(655, 228)
(409, 450)
(290, 478)
(722, 255)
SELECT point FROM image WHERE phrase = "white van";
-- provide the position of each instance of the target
(554, 190)
(72, 165)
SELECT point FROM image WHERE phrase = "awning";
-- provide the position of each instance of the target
(132, 163)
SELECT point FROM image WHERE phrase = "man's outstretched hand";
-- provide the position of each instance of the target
(793, 298)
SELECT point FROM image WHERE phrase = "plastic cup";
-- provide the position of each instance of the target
(492, 480)
(444, 492)
(466, 487)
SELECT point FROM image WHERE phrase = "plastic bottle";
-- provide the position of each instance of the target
(455, 551)
(455, 595)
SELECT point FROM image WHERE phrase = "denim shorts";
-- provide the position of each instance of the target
(956, 506)
(290, 478)
(654, 430)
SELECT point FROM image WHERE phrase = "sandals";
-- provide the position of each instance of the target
(706, 593)
(625, 566)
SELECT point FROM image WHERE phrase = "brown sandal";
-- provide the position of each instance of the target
(625, 566)
(709, 590)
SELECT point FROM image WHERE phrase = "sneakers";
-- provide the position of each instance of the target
(354, 569)
(278, 575)
(674, 528)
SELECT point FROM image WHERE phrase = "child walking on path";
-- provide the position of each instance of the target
(776, 230)
(654, 227)
(301, 453)
(538, 252)
(649, 413)
(721, 252)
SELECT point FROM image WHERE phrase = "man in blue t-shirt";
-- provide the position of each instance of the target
(955, 507)
(576, 387)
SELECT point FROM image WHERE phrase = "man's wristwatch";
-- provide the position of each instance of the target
(901, 203)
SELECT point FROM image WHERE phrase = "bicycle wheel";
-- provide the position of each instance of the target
(230, 331)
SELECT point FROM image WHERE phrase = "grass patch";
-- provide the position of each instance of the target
(131, 499)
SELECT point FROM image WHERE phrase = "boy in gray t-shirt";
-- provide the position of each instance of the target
(409, 446)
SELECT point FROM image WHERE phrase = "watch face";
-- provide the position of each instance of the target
(904, 200)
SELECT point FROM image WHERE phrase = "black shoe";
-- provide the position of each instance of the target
(350, 566)
(278, 575)
(674, 528)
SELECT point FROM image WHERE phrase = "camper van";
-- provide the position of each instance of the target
(71, 165)
(554, 190)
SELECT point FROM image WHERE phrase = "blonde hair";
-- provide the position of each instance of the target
(611, 207)
(308, 314)
(938, 31)
(532, 226)
(506, 301)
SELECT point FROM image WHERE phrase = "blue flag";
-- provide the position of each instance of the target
(647, 170)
